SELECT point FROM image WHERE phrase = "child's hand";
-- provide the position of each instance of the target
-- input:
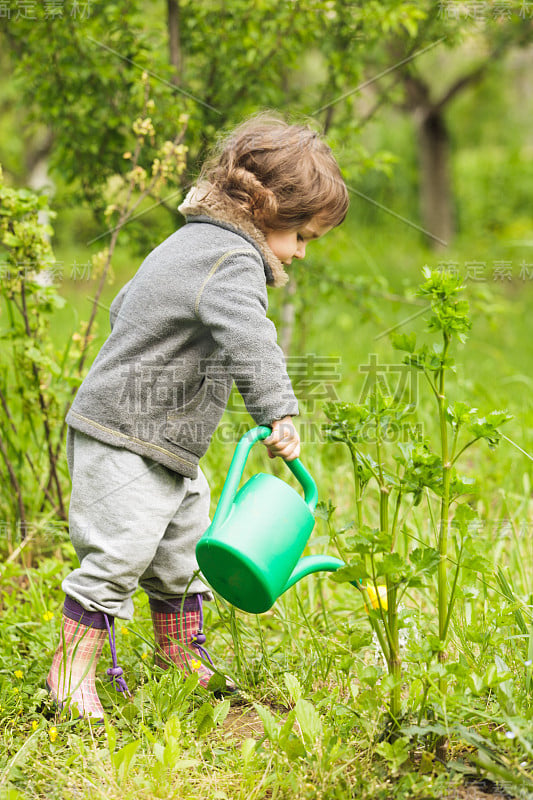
(284, 440)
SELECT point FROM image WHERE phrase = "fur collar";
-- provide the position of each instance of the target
(205, 201)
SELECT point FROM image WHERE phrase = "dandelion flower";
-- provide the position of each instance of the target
(195, 664)
(47, 616)
(378, 598)
(18, 674)
(52, 734)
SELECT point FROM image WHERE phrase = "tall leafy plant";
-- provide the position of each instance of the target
(395, 467)
(37, 381)
(34, 378)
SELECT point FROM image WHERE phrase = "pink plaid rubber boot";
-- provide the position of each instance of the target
(178, 622)
(71, 680)
(71, 676)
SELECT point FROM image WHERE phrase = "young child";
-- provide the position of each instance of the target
(191, 321)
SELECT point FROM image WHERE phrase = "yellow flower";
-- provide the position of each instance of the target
(144, 655)
(373, 595)
(34, 724)
(124, 631)
(195, 664)
(52, 734)
(15, 690)
(47, 616)
(18, 673)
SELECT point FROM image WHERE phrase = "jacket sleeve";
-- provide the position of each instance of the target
(232, 303)
(116, 305)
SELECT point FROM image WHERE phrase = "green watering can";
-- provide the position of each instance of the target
(251, 552)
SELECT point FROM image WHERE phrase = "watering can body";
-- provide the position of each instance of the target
(251, 552)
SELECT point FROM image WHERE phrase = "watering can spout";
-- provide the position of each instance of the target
(309, 564)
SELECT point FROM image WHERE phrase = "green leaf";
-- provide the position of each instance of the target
(204, 719)
(185, 763)
(217, 682)
(392, 564)
(369, 675)
(293, 686)
(360, 639)
(269, 722)
(172, 729)
(129, 712)
(247, 749)
(221, 711)
(111, 736)
(291, 744)
(172, 753)
(463, 517)
(294, 748)
(124, 758)
(487, 427)
(460, 413)
(395, 753)
(404, 341)
(369, 540)
(324, 510)
(355, 572)
(159, 752)
(286, 728)
(476, 683)
(309, 720)
(460, 485)
(425, 559)
(189, 686)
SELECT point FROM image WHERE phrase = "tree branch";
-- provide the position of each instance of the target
(16, 487)
(461, 83)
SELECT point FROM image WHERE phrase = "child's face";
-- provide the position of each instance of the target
(290, 244)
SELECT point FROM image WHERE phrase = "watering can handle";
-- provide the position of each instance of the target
(236, 469)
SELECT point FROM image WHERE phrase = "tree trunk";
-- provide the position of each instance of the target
(174, 43)
(37, 152)
(436, 204)
(288, 313)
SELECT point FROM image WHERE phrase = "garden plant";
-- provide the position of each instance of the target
(388, 554)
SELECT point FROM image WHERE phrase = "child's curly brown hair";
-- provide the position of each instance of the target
(283, 175)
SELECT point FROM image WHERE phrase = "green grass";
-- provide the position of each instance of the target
(313, 719)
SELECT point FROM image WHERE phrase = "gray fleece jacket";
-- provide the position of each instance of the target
(190, 322)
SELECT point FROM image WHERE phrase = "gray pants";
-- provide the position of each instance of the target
(132, 522)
